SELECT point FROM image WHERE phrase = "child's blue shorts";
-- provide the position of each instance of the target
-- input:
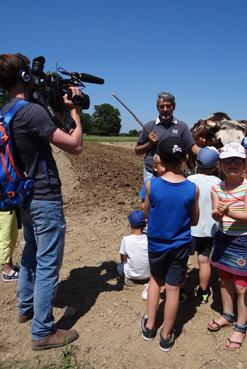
(169, 266)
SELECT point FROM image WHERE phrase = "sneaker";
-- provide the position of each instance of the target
(145, 292)
(128, 282)
(167, 343)
(12, 276)
(58, 339)
(147, 334)
(202, 295)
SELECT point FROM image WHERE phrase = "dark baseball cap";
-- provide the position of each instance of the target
(137, 218)
(172, 149)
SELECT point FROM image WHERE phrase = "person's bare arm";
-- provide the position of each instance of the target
(195, 210)
(123, 258)
(152, 140)
(71, 143)
(216, 213)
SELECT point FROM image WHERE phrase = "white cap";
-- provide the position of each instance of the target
(231, 150)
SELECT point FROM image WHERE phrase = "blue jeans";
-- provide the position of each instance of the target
(44, 232)
(120, 269)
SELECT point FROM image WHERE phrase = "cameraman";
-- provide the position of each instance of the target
(43, 221)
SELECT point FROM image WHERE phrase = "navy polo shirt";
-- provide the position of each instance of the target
(164, 129)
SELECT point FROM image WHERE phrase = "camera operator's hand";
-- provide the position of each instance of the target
(75, 91)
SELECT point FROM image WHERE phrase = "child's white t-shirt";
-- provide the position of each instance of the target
(206, 226)
(137, 265)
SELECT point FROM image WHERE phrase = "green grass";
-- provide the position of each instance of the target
(90, 138)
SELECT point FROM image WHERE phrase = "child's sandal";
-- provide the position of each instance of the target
(227, 316)
(238, 344)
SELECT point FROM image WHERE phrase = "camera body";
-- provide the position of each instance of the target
(48, 89)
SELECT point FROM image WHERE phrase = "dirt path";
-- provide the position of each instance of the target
(100, 188)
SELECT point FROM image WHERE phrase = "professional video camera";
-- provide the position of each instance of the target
(48, 89)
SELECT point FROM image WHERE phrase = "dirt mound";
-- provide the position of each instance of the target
(100, 188)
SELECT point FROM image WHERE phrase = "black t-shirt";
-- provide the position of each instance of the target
(30, 129)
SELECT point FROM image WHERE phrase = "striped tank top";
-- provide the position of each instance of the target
(235, 199)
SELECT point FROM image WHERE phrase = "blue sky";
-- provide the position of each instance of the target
(195, 49)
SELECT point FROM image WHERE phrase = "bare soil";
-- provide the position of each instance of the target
(100, 188)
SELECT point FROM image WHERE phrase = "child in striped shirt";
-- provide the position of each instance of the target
(229, 205)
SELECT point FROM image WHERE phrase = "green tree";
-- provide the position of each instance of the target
(106, 120)
(133, 133)
(87, 123)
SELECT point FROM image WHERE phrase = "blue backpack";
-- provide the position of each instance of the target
(15, 187)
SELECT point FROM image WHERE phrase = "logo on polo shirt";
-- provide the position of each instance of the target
(174, 131)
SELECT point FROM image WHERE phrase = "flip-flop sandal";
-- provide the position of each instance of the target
(227, 316)
(235, 343)
(238, 328)
(218, 326)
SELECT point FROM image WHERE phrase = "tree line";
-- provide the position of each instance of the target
(105, 121)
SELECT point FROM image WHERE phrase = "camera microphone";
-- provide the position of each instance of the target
(91, 79)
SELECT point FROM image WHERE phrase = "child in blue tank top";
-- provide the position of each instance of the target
(171, 206)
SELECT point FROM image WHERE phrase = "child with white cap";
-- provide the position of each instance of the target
(202, 234)
(229, 256)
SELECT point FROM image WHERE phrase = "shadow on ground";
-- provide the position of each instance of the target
(188, 309)
(79, 292)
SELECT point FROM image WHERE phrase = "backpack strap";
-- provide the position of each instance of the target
(12, 111)
(6, 119)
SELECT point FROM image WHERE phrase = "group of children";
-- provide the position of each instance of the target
(201, 213)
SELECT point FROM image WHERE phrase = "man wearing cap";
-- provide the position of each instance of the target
(165, 125)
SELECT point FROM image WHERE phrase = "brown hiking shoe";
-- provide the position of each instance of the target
(60, 338)
(26, 317)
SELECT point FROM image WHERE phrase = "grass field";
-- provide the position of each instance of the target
(111, 139)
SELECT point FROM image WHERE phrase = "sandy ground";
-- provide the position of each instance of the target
(100, 188)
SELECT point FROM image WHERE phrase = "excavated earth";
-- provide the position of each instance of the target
(100, 188)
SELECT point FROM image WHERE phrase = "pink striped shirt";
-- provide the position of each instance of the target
(235, 198)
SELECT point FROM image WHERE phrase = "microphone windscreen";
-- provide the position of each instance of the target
(91, 79)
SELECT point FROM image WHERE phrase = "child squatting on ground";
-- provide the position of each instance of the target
(171, 205)
(229, 204)
(133, 251)
(203, 233)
